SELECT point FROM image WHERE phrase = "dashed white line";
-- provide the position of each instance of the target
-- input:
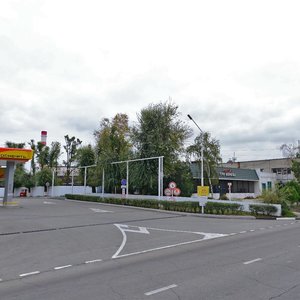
(93, 261)
(30, 274)
(252, 230)
(252, 261)
(160, 290)
(242, 231)
(62, 267)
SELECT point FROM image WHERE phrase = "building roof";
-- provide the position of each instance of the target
(226, 173)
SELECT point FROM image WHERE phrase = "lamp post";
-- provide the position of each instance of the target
(202, 178)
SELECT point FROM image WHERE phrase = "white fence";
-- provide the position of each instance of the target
(57, 191)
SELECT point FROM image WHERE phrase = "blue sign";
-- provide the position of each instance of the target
(123, 182)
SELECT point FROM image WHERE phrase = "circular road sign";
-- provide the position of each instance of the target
(172, 185)
(176, 191)
(168, 192)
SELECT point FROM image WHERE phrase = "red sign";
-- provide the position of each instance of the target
(172, 190)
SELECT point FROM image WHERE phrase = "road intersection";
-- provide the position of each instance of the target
(61, 239)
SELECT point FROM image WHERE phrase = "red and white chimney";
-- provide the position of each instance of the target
(44, 137)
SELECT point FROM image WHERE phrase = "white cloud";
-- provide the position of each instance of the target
(233, 65)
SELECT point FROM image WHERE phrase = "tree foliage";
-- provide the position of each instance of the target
(211, 155)
(158, 132)
(85, 157)
(71, 147)
(112, 145)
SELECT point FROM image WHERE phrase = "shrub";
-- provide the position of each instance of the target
(222, 208)
(184, 206)
(258, 209)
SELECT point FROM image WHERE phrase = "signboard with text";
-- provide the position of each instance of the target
(202, 190)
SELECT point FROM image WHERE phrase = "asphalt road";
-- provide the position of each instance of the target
(60, 249)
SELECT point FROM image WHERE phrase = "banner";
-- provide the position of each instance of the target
(22, 155)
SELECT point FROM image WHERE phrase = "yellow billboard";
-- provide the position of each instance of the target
(16, 154)
(202, 190)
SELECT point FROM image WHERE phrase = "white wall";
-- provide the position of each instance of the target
(264, 177)
(38, 191)
(62, 190)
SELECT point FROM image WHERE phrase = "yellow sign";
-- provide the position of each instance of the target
(22, 155)
(202, 190)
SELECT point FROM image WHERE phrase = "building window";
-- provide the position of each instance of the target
(264, 186)
(269, 185)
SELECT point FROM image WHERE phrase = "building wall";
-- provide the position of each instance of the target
(281, 167)
(267, 181)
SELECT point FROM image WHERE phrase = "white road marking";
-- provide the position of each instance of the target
(48, 202)
(98, 210)
(252, 230)
(160, 290)
(123, 228)
(29, 274)
(252, 261)
(62, 267)
(242, 231)
(93, 261)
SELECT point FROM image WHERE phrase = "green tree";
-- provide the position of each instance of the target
(183, 177)
(85, 157)
(33, 147)
(159, 132)
(42, 155)
(54, 154)
(211, 155)
(296, 169)
(44, 176)
(292, 191)
(112, 145)
(71, 148)
(19, 176)
(9, 144)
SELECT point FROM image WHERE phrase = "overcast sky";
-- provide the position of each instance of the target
(234, 66)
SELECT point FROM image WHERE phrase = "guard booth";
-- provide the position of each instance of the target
(12, 156)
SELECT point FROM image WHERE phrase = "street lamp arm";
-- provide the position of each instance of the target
(195, 123)
(202, 163)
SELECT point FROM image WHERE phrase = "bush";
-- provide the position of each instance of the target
(185, 206)
(223, 208)
(258, 209)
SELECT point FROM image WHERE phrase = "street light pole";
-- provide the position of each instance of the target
(202, 178)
